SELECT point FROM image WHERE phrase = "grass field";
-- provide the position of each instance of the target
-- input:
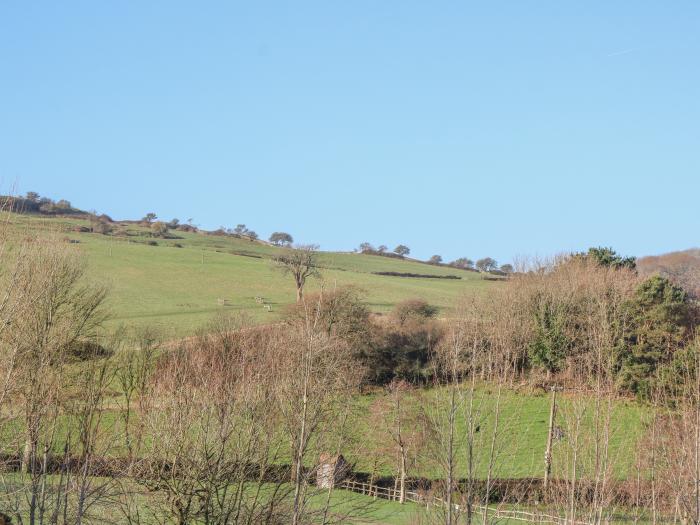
(521, 435)
(520, 443)
(178, 288)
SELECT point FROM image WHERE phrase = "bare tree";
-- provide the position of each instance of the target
(315, 371)
(300, 263)
(133, 368)
(58, 314)
(210, 419)
(398, 419)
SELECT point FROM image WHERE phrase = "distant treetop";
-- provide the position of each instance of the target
(487, 264)
(609, 257)
(402, 250)
(507, 268)
(281, 239)
(463, 262)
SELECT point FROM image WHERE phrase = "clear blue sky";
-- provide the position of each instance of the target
(458, 128)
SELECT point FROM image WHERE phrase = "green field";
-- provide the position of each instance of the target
(178, 288)
(521, 434)
(520, 442)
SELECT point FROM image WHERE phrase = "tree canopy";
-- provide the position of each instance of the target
(486, 264)
(402, 250)
(281, 239)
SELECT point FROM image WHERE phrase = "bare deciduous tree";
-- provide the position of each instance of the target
(57, 316)
(300, 263)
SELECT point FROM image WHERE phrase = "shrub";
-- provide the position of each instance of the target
(102, 227)
(400, 350)
(413, 309)
(660, 319)
(81, 350)
(159, 229)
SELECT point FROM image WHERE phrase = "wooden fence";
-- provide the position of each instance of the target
(428, 500)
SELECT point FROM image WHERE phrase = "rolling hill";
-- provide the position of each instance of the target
(179, 283)
(681, 267)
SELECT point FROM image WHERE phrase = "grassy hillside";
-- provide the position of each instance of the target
(178, 288)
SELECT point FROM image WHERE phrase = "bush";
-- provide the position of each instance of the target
(400, 351)
(341, 311)
(102, 227)
(159, 229)
(82, 350)
(152, 243)
(659, 320)
(413, 309)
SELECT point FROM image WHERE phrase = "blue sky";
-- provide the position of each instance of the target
(458, 128)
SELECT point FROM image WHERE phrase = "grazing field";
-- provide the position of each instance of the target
(179, 288)
(521, 434)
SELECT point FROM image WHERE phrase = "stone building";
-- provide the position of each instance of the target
(331, 470)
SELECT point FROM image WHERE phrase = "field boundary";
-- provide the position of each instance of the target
(428, 500)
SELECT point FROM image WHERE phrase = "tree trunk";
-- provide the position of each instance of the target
(548, 451)
(402, 486)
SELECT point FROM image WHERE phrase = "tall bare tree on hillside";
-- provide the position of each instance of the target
(300, 263)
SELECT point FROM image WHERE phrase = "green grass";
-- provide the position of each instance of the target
(520, 444)
(521, 437)
(178, 289)
(343, 504)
